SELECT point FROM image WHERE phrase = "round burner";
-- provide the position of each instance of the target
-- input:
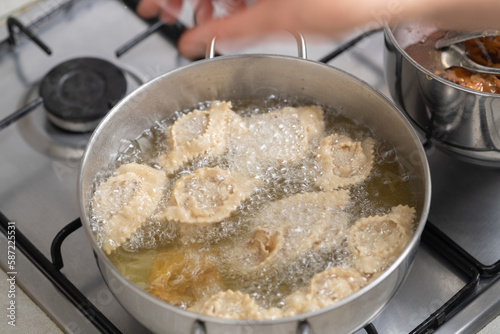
(79, 92)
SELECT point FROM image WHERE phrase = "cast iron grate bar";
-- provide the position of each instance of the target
(47, 14)
(59, 280)
(55, 247)
(484, 270)
(456, 255)
(347, 45)
(370, 329)
(13, 22)
(172, 32)
(136, 40)
(17, 115)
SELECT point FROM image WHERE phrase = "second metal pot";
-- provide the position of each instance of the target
(460, 120)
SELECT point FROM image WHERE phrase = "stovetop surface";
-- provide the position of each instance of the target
(39, 168)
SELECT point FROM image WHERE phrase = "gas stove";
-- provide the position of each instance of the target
(452, 287)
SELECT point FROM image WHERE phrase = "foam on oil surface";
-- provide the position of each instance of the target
(387, 186)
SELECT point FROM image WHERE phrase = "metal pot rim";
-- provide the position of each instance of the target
(388, 32)
(160, 303)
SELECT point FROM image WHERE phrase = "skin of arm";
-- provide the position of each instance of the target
(330, 18)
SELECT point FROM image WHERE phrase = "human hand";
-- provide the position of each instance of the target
(169, 10)
(246, 24)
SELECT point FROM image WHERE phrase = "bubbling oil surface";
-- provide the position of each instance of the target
(387, 186)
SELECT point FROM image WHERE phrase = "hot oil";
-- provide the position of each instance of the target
(387, 186)
(271, 286)
(135, 266)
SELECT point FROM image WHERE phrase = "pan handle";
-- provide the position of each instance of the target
(301, 46)
(302, 328)
(198, 328)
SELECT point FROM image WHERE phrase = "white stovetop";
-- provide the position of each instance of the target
(31, 319)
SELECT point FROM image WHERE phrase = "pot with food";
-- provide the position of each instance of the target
(458, 109)
(256, 192)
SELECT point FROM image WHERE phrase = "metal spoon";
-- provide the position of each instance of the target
(455, 55)
(454, 37)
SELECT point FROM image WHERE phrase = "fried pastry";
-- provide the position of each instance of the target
(264, 245)
(183, 278)
(237, 127)
(201, 133)
(343, 161)
(269, 218)
(292, 227)
(207, 195)
(125, 201)
(311, 120)
(325, 288)
(231, 305)
(282, 136)
(271, 313)
(376, 241)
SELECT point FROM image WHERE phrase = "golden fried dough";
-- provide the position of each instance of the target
(125, 201)
(183, 277)
(376, 241)
(207, 195)
(343, 161)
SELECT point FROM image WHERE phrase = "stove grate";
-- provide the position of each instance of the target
(72, 293)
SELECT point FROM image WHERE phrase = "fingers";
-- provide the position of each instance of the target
(249, 24)
(232, 6)
(244, 25)
(148, 8)
(168, 10)
(255, 22)
(171, 11)
(203, 11)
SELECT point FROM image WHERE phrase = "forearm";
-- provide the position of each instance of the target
(455, 14)
(326, 17)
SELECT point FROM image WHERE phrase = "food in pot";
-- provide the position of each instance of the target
(184, 277)
(282, 136)
(291, 227)
(326, 288)
(479, 81)
(485, 51)
(231, 305)
(343, 161)
(199, 133)
(207, 195)
(125, 201)
(267, 213)
(376, 241)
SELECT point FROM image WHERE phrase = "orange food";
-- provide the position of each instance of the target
(183, 277)
(484, 51)
(479, 81)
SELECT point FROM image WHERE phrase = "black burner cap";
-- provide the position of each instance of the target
(79, 92)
